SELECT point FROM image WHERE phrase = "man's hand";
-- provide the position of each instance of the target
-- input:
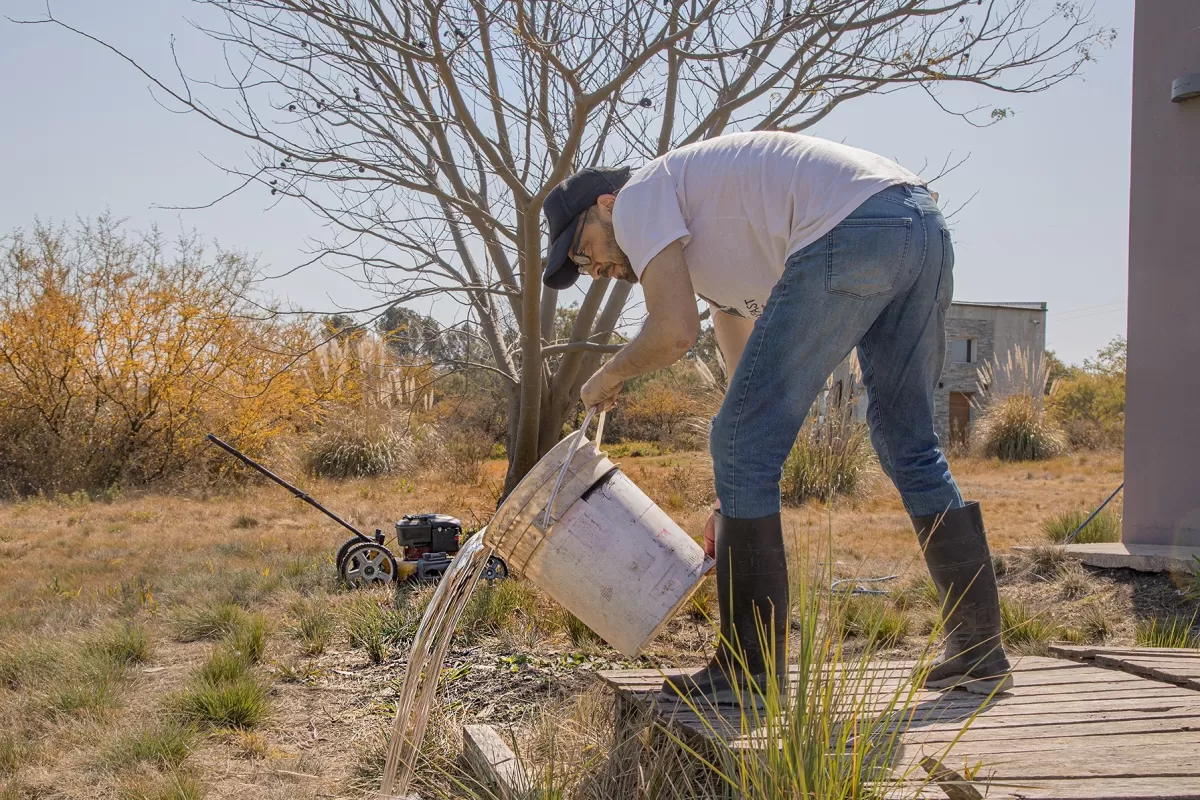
(600, 390)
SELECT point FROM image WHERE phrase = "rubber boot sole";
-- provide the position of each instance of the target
(982, 686)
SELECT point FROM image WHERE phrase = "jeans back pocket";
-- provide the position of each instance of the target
(867, 256)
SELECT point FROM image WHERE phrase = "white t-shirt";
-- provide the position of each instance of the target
(742, 204)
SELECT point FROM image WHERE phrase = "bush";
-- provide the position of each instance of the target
(1015, 428)
(355, 446)
(464, 453)
(1105, 527)
(830, 457)
(1013, 424)
(196, 356)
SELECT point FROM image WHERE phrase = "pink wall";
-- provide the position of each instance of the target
(1162, 418)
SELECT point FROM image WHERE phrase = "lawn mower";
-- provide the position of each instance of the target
(427, 543)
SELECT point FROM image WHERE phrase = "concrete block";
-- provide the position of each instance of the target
(1140, 557)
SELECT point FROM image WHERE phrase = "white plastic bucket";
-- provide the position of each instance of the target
(608, 554)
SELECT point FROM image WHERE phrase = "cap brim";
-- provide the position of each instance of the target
(561, 272)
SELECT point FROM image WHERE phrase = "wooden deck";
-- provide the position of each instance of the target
(1085, 723)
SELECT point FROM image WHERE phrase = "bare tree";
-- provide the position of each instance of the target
(428, 132)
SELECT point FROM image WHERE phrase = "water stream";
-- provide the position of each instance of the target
(425, 663)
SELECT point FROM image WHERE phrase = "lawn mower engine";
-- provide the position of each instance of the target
(427, 544)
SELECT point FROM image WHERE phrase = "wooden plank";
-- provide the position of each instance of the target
(1112, 743)
(1081, 729)
(1135, 762)
(494, 763)
(1157, 788)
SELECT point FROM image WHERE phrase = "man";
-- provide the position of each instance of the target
(804, 249)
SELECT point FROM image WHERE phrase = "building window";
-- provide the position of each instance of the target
(962, 351)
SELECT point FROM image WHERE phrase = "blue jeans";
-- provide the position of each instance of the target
(882, 281)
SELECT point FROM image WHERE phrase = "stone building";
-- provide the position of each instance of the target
(975, 333)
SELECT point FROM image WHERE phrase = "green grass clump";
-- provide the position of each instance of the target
(175, 785)
(311, 626)
(1024, 631)
(498, 606)
(1172, 632)
(578, 632)
(375, 628)
(165, 745)
(874, 618)
(223, 666)
(209, 622)
(1106, 527)
(237, 703)
(90, 689)
(249, 637)
(26, 661)
(123, 645)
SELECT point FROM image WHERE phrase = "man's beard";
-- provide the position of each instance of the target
(622, 270)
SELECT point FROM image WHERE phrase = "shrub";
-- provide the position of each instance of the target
(358, 446)
(831, 457)
(1015, 429)
(1013, 424)
(1106, 527)
(1172, 632)
(464, 453)
(73, 417)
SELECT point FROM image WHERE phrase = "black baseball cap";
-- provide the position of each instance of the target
(564, 208)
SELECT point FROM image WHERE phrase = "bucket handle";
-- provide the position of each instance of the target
(579, 436)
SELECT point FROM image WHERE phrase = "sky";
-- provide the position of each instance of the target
(1048, 188)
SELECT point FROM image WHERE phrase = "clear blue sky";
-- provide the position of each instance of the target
(1049, 222)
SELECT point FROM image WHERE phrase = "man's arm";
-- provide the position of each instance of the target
(671, 327)
(732, 333)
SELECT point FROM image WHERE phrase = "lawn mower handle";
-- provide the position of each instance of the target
(233, 451)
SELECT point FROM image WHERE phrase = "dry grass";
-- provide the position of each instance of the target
(111, 582)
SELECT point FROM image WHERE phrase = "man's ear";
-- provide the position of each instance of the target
(605, 201)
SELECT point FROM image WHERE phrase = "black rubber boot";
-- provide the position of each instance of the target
(752, 593)
(956, 551)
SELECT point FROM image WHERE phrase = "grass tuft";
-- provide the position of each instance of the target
(14, 749)
(237, 703)
(1073, 581)
(223, 666)
(1046, 560)
(874, 618)
(1106, 527)
(175, 785)
(209, 622)
(249, 637)
(500, 606)
(1171, 632)
(830, 457)
(165, 745)
(1024, 631)
(123, 645)
(578, 632)
(311, 626)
